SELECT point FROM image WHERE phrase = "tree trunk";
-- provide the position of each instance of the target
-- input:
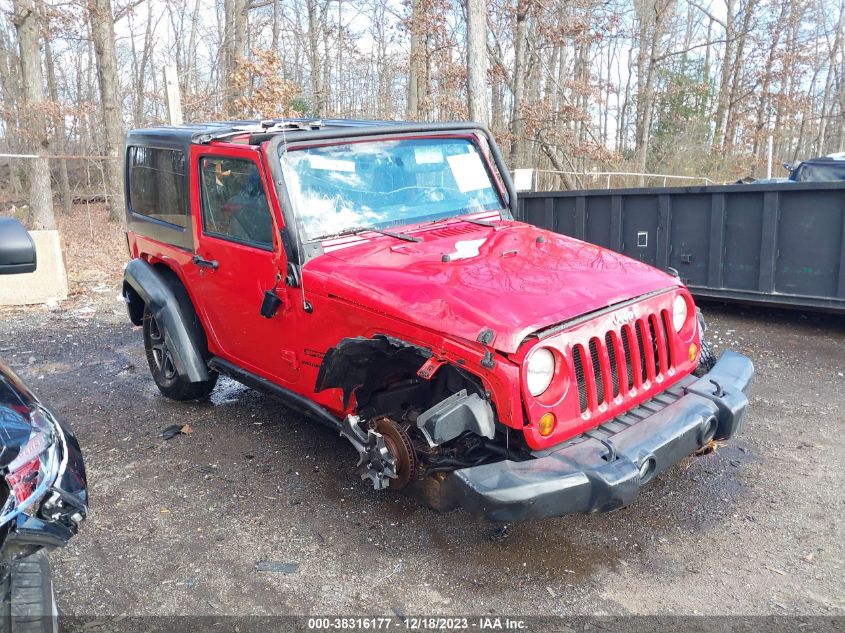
(25, 19)
(413, 105)
(191, 62)
(277, 15)
(314, 59)
(652, 27)
(827, 111)
(232, 50)
(622, 136)
(102, 34)
(9, 92)
(141, 69)
(477, 60)
(424, 88)
(736, 76)
(761, 117)
(58, 123)
(725, 82)
(517, 157)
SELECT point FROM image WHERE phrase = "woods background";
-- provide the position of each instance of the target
(577, 86)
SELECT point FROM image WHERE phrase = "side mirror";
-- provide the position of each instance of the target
(17, 250)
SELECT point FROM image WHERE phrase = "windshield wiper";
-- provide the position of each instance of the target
(478, 222)
(462, 219)
(362, 229)
(399, 236)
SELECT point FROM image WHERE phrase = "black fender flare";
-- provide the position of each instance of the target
(143, 284)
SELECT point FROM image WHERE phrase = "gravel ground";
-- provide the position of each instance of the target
(176, 527)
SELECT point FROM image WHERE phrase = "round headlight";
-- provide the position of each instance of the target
(540, 371)
(679, 312)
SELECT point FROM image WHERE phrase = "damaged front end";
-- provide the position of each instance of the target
(427, 426)
(44, 489)
(416, 417)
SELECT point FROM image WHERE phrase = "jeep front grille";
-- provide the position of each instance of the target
(623, 360)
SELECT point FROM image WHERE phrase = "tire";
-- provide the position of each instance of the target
(28, 604)
(167, 378)
(707, 359)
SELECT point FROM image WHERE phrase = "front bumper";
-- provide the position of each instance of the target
(601, 470)
(62, 505)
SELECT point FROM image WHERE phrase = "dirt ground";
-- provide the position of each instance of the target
(177, 527)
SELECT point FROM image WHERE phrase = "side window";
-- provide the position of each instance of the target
(157, 184)
(234, 205)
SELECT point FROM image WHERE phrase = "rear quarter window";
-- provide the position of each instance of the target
(157, 184)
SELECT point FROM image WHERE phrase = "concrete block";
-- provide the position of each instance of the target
(48, 282)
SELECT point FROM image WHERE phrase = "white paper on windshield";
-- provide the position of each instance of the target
(331, 164)
(428, 154)
(469, 172)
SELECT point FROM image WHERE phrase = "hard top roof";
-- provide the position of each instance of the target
(291, 127)
(281, 131)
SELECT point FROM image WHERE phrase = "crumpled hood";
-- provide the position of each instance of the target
(513, 279)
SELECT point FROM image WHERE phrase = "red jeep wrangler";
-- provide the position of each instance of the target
(371, 275)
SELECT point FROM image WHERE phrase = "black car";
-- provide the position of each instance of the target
(824, 169)
(45, 498)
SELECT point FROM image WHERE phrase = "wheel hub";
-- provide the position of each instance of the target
(399, 445)
(385, 455)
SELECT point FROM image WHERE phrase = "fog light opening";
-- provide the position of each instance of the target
(647, 469)
(708, 430)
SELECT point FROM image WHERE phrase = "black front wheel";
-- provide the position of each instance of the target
(28, 605)
(163, 369)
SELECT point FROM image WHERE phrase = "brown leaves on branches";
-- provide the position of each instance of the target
(263, 89)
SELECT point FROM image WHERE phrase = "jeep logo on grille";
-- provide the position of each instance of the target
(624, 318)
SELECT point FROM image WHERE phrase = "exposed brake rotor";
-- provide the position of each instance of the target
(375, 461)
(385, 454)
(399, 445)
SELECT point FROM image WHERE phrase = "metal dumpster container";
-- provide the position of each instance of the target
(781, 244)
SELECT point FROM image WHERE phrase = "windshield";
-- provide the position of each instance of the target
(378, 184)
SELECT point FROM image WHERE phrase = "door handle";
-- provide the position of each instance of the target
(205, 263)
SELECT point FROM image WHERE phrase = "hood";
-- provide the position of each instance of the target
(463, 279)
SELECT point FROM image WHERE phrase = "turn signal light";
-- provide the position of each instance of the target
(693, 352)
(546, 424)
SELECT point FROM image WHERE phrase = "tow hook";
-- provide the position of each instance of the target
(610, 456)
(375, 461)
(719, 391)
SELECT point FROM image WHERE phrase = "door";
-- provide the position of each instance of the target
(238, 259)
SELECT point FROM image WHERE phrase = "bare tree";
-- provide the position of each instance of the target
(232, 48)
(102, 34)
(518, 157)
(57, 121)
(477, 60)
(653, 17)
(26, 21)
(566, 85)
(414, 60)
